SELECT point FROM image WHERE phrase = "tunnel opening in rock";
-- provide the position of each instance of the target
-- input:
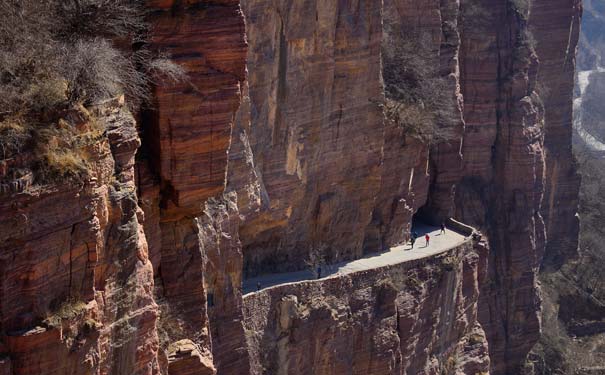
(425, 220)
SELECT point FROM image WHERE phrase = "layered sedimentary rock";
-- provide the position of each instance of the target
(556, 24)
(76, 282)
(503, 176)
(189, 137)
(572, 304)
(317, 130)
(190, 131)
(223, 279)
(197, 253)
(415, 317)
(515, 142)
(276, 146)
(446, 156)
(413, 175)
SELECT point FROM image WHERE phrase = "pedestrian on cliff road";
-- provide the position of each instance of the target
(413, 237)
(427, 238)
(258, 286)
(319, 272)
(442, 227)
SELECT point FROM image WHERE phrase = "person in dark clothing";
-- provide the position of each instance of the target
(413, 237)
(258, 286)
(319, 272)
(442, 227)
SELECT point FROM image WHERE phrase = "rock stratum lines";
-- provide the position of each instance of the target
(307, 132)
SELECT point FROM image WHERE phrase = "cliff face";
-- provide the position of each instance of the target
(276, 147)
(77, 283)
(519, 181)
(502, 185)
(317, 130)
(556, 79)
(198, 265)
(573, 313)
(408, 318)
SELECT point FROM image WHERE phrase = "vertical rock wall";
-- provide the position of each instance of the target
(317, 130)
(277, 145)
(556, 28)
(410, 318)
(188, 134)
(76, 286)
(517, 139)
(504, 172)
(408, 177)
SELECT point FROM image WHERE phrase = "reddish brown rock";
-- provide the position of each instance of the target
(508, 162)
(556, 27)
(191, 131)
(473, 357)
(76, 284)
(148, 190)
(223, 279)
(242, 176)
(407, 318)
(446, 155)
(36, 352)
(307, 161)
(413, 174)
(186, 359)
(317, 131)
(189, 140)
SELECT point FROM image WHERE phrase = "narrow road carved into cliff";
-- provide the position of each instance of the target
(439, 243)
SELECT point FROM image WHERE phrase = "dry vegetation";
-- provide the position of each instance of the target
(573, 336)
(417, 96)
(57, 55)
(69, 309)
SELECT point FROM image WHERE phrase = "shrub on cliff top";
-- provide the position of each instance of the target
(57, 52)
(417, 96)
(60, 54)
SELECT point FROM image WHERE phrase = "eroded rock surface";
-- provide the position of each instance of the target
(276, 147)
(517, 137)
(76, 281)
(317, 130)
(406, 318)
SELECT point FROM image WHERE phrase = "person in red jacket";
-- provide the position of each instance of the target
(427, 238)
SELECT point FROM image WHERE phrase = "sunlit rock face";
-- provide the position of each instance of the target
(317, 132)
(75, 276)
(276, 146)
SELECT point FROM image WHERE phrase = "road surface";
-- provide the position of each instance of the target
(399, 254)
